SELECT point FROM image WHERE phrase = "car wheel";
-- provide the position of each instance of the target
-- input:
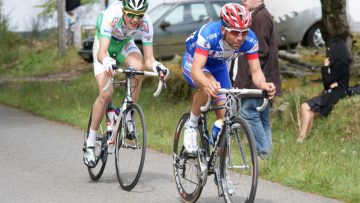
(314, 38)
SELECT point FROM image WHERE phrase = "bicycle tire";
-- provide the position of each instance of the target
(238, 163)
(100, 153)
(181, 169)
(130, 157)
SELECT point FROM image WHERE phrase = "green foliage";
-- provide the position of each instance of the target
(327, 162)
(9, 41)
(48, 8)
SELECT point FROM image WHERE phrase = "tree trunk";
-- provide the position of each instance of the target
(61, 27)
(335, 21)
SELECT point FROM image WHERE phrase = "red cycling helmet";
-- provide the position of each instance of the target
(235, 16)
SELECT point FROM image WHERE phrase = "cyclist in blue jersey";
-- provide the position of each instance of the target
(205, 62)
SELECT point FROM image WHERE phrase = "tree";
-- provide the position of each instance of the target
(335, 21)
(61, 27)
(49, 7)
(335, 24)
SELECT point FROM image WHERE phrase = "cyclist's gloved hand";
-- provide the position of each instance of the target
(108, 63)
(161, 69)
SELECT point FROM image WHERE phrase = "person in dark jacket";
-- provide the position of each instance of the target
(263, 26)
(335, 75)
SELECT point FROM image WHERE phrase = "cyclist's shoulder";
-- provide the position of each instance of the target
(114, 5)
(251, 39)
(146, 20)
(114, 9)
(212, 27)
(211, 31)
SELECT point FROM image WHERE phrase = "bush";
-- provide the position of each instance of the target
(10, 41)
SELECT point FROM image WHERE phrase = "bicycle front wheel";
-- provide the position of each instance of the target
(100, 152)
(238, 162)
(185, 165)
(130, 147)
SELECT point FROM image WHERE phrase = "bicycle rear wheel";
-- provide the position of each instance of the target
(188, 183)
(100, 153)
(238, 162)
(130, 152)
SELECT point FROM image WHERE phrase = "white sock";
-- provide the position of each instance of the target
(193, 120)
(90, 142)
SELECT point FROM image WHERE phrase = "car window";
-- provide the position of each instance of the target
(187, 13)
(198, 11)
(159, 11)
(217, 7)
(176, 16)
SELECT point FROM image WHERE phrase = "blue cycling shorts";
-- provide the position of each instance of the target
(218, 70)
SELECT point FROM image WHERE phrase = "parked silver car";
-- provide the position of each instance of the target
(175, 20)
(300, 27)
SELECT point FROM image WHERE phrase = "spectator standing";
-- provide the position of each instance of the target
(73, 28)
(335, 75)
(263, 27)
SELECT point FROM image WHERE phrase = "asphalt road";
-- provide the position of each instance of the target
(41, 161)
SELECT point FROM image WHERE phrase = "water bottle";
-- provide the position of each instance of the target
(216, 130)
(110, 122)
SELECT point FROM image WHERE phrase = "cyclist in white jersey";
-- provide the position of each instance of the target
(204, 62)
(114, 43)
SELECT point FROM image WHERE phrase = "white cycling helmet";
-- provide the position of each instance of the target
(136, 5)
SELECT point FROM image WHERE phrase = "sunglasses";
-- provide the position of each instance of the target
(236, 32)
(133, 15)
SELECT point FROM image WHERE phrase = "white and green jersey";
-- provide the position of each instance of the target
(110, 24)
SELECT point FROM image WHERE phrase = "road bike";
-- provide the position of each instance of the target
(128, 137)
(232, 158)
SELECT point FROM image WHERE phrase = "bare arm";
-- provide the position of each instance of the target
(258, 78)
(204, 83)
(104, 46)
(149, 58)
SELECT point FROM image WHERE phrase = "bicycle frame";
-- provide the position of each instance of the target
(220, 158)
(130, 74)
(211, 157)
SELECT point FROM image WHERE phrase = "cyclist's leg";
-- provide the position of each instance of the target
(133, 58)
(221, 75)
(199, 99)
(104, 97)
(98, 108)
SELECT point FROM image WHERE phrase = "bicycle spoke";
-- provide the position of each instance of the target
(239, 167)
(130, 150)
(185, 167)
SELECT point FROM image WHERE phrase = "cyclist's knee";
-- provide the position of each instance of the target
(134, 60)
(105, 97)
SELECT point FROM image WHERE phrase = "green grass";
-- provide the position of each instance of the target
(327, 163)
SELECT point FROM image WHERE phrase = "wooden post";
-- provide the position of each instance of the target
(61, 27)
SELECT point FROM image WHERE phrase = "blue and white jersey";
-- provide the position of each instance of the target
(208, 41)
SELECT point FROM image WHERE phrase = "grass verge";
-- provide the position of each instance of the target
(327, 163)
